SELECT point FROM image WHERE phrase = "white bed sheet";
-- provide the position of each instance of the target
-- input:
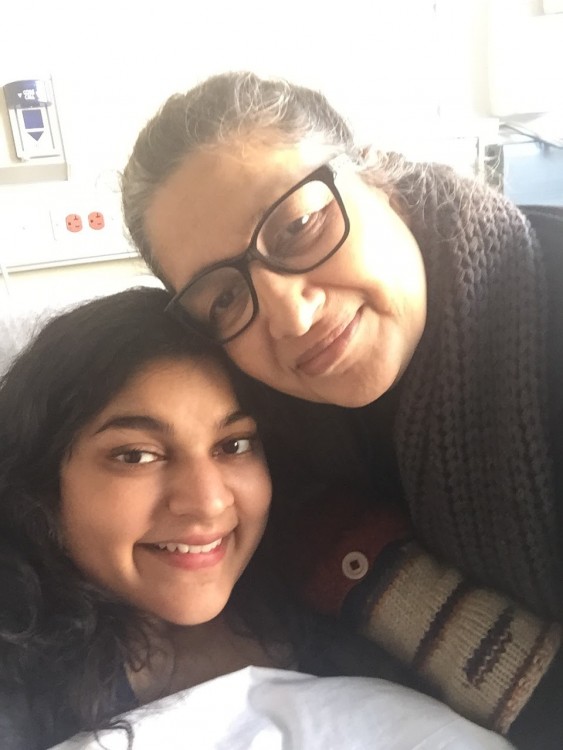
(268, 709)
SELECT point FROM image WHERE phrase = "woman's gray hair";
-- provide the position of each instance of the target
(223, 108)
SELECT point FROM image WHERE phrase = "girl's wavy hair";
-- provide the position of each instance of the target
(62, 639)
(229, 107)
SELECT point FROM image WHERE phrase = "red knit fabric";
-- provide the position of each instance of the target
(326, 532)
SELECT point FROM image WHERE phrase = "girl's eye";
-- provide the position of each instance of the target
(136, 456)
(237, 446)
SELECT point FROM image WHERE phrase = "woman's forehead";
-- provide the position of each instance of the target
(260, 165)
(207, 209)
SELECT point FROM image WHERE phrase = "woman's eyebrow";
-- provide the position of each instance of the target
(254, 220)
(135, 422)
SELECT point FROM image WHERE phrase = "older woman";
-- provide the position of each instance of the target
(423, 306)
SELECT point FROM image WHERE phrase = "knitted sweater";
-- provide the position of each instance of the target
(472, 429)
(469, 442)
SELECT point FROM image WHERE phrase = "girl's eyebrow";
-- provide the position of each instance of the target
(135, 422)
(146, 422)
(234, 416)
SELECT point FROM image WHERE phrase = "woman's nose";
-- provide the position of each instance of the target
(288, 303)
(198, 489)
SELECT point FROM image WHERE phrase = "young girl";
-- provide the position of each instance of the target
(133, 495)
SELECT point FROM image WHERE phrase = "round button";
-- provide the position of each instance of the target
(355, 565)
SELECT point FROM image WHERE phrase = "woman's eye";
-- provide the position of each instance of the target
(308, 224)
(296, 237)
(222, 302)
(231, 301)
(136, 456)
(298, 225)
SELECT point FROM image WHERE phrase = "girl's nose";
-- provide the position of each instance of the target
(288, 303)
(198, 489)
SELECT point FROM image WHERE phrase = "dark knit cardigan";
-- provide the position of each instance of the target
(472, 431)
(470, 438)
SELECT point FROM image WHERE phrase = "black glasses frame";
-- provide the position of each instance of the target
(327, 174)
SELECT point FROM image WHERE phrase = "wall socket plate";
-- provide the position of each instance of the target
(90, 220)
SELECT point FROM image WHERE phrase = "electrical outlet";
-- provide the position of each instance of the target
(96, 220)
(73, 222)
(98, 214)
(60, 219)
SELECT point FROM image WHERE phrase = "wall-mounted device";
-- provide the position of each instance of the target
(33, 118)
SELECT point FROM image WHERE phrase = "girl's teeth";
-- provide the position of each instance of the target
(179, 547)
(189, 548)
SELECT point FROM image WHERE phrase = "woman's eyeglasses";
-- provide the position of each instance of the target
(301, 230)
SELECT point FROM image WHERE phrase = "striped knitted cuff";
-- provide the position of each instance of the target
(483, 653)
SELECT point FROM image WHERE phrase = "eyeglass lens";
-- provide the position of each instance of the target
(298, 234)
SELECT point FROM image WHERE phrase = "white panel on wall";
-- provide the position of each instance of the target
(65, 226)
(525, 59)
(552, 6)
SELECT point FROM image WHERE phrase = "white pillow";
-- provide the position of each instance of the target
(268, 709)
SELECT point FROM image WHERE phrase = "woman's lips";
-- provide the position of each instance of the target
(323, 355)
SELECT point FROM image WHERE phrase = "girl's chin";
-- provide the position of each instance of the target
(192, 618)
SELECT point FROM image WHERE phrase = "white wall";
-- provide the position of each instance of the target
(387, 63)
(525, 57)
(115, 62)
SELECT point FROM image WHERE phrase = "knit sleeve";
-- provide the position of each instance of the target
(483, 654)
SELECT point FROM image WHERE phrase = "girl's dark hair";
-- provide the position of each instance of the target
(63, 640)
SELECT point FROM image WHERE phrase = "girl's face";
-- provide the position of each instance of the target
(165, 494)
(342, 333)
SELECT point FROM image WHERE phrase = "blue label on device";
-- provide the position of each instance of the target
(25, 94)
